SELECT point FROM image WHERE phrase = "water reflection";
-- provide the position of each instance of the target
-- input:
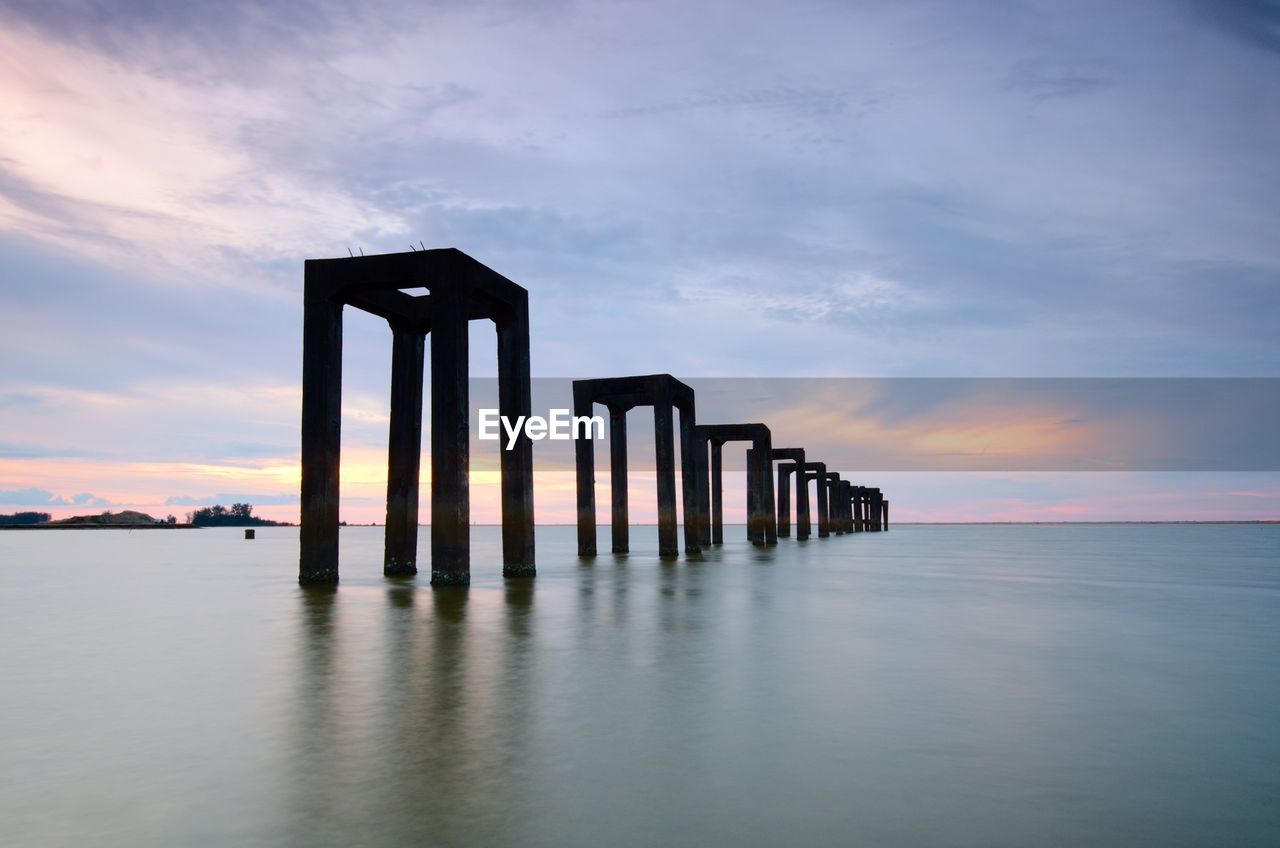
(416, 725)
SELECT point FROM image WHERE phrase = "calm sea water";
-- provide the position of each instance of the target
(940, 686)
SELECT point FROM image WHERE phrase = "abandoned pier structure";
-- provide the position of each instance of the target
(458, 290)
(619, 395)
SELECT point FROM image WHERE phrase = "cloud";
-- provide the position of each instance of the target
(43, 497)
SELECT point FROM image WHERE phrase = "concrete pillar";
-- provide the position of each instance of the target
(833, 503)
(404, 453)
(584, 456)
(618, 478)
(762, 453)
(321, 437)
(784, 502)
(717, 492)
(755, 525)
(884, 505)
(515, 398)
(700, 446)
(824, 514)
(689, 468)
(804, 525)
(450, 439)
(665, 456)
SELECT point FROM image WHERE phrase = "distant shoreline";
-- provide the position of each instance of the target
(88, 526)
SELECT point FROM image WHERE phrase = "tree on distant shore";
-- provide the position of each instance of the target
(18, 518)
(239, 515)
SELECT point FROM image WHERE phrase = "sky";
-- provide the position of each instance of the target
(708, 189)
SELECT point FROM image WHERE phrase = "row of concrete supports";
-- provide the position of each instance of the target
(461, 290)
(841, 506)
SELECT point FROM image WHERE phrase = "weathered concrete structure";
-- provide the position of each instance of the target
(875, 509)
(762, 527)
(834, 507)
(620, 394)
(785, 470)
(857, 499)
(460, 290)
(844, 495)
(884, 515)
(817, 472)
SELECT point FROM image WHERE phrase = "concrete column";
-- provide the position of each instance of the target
(689, 468)
(665, 456)
(784, 502)
(755, 525)
(404, 453)
(717, 492)
(824, 514)
(837, 508)
(515, 398)
(450, 439)
(803, 523)
(584, 457)
(618, 478)
(321, 437)
(704, 491)
(884, 505)
(762, 454)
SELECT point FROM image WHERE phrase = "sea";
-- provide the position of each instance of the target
(945, 685)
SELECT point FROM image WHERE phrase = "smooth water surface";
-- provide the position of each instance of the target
(934, 685)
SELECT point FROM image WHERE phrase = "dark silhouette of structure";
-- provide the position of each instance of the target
(817, 471)
(832, 483)
(785, 470)
(620, 394)
(461, 290)
(762, 528)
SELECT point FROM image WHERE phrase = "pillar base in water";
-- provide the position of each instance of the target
(399, 569)
(319, 577)
(519, 571)
(450, 578)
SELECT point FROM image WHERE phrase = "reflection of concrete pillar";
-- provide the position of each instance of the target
(515, 398)
(321, 437)
(784, 502)
(404, 453)
(618, 477)
(665, 454)
(717, 492)
(450, 439)
(584, 456)
(689, 468)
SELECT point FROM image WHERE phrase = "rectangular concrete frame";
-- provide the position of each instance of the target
(785, 470)
(620, 394)
(461, 290)
(762, 527)
(817, 471)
